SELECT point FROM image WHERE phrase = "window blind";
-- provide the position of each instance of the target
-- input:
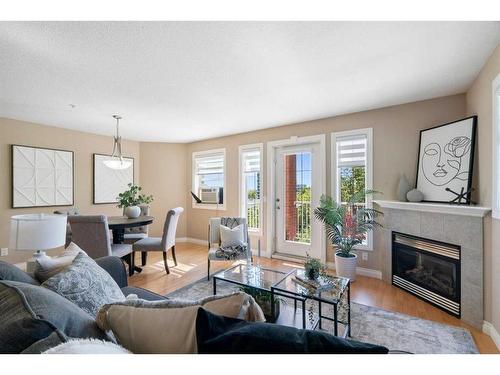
(351, 151)
(251, 161)
(210, 164)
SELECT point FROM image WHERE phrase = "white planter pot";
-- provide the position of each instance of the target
(132, 212)
(346, 267)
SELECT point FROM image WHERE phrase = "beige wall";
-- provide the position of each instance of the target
(163, 174)
(395, 137)
(83, 145)
(479, 101)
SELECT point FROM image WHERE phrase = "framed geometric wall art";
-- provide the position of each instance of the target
(42, 177)
(446, 160)
(108, 183)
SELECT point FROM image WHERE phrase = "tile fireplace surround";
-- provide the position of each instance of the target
(458, 225)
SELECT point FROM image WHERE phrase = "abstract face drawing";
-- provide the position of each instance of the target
(442, 165)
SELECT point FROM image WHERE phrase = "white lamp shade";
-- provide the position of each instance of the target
(37, 232)
(116, 163)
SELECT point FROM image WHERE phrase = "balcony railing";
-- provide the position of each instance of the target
(253, 214)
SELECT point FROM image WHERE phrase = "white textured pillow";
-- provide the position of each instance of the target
(87, 346)
(46, 267)
(232, 237)
(169, 326)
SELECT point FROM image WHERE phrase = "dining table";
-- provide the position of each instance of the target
(118, 224)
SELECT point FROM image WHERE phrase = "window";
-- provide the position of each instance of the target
(251, 185)
(352, 169)
(209, 178)
(496, 148)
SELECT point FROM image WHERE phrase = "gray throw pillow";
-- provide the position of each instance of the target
(85, 284)
(10, 272)
(34, 319)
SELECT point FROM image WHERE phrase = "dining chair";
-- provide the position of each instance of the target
(214, 224)
(135, 234)
(166, 241)
(91, 234)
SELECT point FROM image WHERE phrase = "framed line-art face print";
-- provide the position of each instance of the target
(445, 161)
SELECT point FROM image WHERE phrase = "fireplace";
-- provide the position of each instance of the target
(428, 269)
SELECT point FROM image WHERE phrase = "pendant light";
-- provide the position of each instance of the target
(116, 160)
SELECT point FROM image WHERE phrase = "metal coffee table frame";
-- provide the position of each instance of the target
(276, 291)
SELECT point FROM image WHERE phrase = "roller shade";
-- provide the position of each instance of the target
(251, 161)
(351, 151)
(209, 164)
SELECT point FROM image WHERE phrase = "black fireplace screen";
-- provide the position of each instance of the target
(428, 269)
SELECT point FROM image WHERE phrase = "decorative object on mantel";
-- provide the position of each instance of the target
(130, 200)
(37, 232)
(403, 188)
(445, 161)
(108, 183)
(116, 160)
(415, 196)
(346, 226)
(41, 177)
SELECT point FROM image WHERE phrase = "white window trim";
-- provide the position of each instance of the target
(495, 174)
(368, 132)
(206, 206)
(243, 148)
(271, 173)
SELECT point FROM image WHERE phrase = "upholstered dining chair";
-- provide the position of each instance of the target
(91, 234)
(68, 212)
(164, 243)
(138, 233)
(214, 224)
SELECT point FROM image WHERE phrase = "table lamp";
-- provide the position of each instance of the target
(37, 232)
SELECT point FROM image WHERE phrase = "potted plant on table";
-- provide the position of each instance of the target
(130, 200)
(346, 226)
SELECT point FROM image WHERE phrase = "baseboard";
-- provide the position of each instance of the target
(192, 240)
(368, 272)
(490, 330)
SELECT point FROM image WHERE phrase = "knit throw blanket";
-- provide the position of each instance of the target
(231, 252)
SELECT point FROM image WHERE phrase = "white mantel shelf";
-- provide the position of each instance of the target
(442, 208)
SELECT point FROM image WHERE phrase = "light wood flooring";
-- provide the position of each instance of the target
(192, 266)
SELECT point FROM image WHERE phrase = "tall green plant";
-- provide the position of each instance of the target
(133, 197)
(346, 225)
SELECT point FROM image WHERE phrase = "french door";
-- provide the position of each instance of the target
(297, 193)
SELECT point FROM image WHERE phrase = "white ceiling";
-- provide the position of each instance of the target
(186, 81)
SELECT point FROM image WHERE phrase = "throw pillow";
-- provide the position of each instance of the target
(221, 335)
(232, 236)
(87, 346)
(10, 272)
(85, 284)
(169, 326)
(46, 267)
(33, 316)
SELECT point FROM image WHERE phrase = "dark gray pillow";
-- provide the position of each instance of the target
(85, 284)
(30, 314)
(12, 273)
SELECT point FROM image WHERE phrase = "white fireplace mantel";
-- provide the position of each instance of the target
(443, 208)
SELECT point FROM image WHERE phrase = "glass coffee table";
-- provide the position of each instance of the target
(335, 291)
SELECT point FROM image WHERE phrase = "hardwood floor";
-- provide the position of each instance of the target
(192, 266)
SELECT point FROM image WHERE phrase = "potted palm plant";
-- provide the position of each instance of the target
(346, 226)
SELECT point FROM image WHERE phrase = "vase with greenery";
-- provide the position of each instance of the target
(346, 226)
(313, 267)
(131, 199)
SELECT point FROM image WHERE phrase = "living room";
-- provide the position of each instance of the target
(345, 196)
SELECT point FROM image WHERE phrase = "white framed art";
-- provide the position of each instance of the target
(108, 183)
(42, 177)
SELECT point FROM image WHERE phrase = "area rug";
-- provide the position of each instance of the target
(369, 324)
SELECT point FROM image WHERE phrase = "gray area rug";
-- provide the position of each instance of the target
(369, 324)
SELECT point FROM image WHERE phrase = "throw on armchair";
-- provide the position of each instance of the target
(214, 241)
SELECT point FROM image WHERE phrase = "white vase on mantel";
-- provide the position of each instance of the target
(132, 212)
(346, 267)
